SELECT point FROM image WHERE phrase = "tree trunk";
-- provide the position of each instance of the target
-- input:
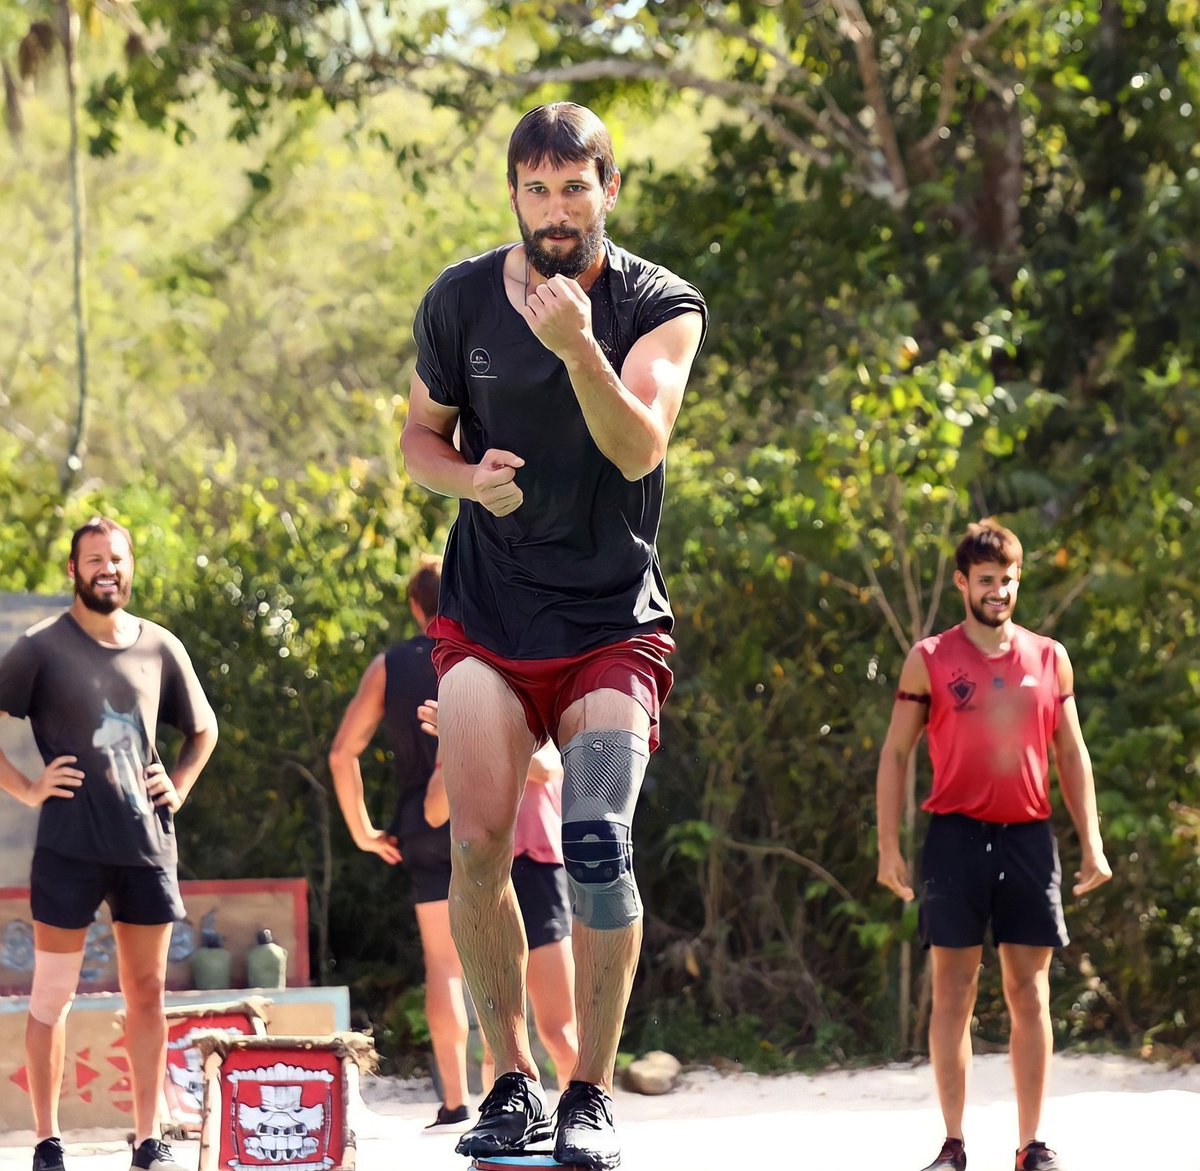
(68, 30)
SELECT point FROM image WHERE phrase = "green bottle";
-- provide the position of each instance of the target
(211, 962)
(266, 964)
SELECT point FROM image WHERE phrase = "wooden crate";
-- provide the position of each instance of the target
(287, 1103)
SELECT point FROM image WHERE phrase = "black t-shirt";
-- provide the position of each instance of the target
(103, 705)
(409, 680)
(575, 567)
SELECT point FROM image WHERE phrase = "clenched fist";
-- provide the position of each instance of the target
(495, 482)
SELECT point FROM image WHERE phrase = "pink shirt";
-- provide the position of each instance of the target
(991, 723)
(538, 832)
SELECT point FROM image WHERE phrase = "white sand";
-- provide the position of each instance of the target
(1102, 1114)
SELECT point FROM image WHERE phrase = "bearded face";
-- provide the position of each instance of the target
(564, 249)
(103, 572)
(561, 212)
(991, 592)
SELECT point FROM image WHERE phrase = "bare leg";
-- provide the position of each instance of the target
(46, 1045)
(486, 747)
(1026, 972)
(444, 1007)
(955, 984)
(142, 972)
(605, 961)
(551, 991)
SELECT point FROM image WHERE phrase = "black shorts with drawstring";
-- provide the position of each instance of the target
(973, 873)
(67, 892)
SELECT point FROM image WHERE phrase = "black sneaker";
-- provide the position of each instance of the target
(511, 1118)
(154, 1155)
(952, 1157)
(1037, 1156)
(585, 1136)
(48, 1155)
(448, 1121)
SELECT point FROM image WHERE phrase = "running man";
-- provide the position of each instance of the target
(392, 693)
(548, 379)
(540, 882)
(994, 698)
(95, 683)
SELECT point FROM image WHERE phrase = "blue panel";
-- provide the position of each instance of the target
(485, 1164)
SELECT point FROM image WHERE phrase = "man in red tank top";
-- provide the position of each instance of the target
(994, 698)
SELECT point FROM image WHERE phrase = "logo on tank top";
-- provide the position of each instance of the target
(961, 688)
(481, 362)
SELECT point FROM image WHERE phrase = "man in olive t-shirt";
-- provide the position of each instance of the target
(95, 683)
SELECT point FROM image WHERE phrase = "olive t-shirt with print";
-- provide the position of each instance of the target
(103, 705)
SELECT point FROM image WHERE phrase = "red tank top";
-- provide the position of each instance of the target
(991, 721)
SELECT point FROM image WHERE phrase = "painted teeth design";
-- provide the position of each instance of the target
(280, 1148)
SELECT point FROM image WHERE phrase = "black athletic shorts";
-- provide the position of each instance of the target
(67, 892)
(976, 872)
(542, 893)
(426, 856)
(541, 887)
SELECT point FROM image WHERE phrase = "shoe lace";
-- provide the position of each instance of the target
(507, 1096)
(584, 1106)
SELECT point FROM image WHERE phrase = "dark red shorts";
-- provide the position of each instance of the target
(636, 667)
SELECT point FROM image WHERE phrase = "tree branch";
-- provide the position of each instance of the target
(1072, 595)
(856, 26)
(791, 855)
(939, 578)
(952, 64)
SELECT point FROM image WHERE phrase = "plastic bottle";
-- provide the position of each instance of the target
(266, 964)
(211, 962)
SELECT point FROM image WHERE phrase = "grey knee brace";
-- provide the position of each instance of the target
(602, 774)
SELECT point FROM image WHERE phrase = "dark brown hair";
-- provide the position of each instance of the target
(425, 585)
(99, 526)
(986, 543)
(561, 133)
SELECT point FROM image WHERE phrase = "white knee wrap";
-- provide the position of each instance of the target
(55, 978)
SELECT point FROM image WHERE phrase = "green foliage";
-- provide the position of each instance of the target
(950, 288)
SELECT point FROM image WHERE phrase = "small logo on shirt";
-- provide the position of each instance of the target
(961, 688)
(481, 360)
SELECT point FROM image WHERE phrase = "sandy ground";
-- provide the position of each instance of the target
(1102, 1114)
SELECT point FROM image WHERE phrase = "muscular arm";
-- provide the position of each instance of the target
(193, 756)
(430, 457)
(427, 444)
(1077, 783)
(909, 717)
(630, 416)
(359, 724)
(58, 779)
